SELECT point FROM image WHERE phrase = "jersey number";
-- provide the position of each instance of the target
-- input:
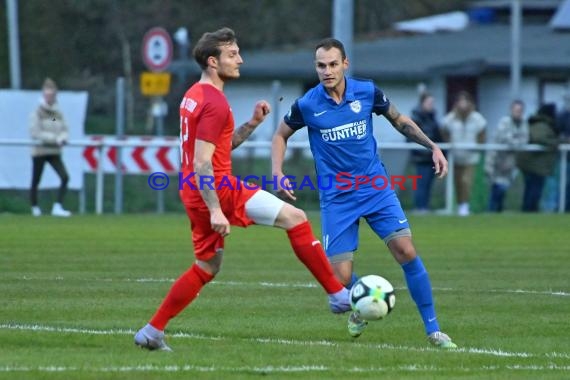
(184, 160)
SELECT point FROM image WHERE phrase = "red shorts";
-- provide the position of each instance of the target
(233, 197)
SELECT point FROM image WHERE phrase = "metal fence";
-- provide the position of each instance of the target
(448, 147)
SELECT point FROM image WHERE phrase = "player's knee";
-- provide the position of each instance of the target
(212, 266)
(290, 217)
(408, 254)
(297, 216)
(402, 249)
(405, 254)
(215, 269)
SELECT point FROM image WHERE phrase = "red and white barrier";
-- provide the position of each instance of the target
(162, 156)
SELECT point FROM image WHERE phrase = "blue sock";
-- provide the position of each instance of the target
(420, 289)
(353, 280)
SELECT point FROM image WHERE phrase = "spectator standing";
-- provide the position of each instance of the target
(500, 166)
(464, 125)
(536, 166)
(48, 127)
(425, 117)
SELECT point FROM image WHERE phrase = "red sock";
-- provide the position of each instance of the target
(313, 256)
(182, 292)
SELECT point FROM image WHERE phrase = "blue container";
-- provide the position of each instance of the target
(481, 15)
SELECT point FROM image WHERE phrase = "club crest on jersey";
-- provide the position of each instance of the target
(355, 106)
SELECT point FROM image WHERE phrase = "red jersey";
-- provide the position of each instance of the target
(205, 114)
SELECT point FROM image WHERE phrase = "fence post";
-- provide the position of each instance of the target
(160, 201)
(99, 188)
(449, 182)
(563, 179)
(120, 133)
(82, 203)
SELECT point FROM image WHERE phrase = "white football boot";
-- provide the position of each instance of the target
(152, 339)
(441, 340)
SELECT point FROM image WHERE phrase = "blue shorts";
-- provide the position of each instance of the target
(340, 219)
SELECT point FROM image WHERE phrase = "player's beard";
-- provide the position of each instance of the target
(227, 75)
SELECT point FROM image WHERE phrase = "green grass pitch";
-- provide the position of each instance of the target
(73, 292)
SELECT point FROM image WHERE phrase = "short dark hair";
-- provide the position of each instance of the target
(329, 43)
(209, 45)
(548, 110)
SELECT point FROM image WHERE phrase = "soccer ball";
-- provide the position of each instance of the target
(372, 297)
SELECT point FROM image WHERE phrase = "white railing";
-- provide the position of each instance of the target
(450, 148)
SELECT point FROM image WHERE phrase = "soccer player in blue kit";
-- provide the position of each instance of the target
(338, 115)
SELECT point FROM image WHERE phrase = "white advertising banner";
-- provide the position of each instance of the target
(16, 106)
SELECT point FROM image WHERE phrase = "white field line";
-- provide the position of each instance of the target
(282, 369)
(558, 293)
(278, 341)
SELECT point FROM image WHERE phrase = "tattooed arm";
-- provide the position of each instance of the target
(241, 134)
(203, 153)
(278, 148)
(410, 129)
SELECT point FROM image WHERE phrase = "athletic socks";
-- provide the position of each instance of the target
(183, 291)
(307, 248)
(310, 252)
(420, 289)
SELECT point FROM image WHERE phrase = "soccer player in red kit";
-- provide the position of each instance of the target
(213, 198)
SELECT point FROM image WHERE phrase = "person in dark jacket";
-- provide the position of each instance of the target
(536, 166)
(424, 116)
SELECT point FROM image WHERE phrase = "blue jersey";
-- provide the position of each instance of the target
(341, 136)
